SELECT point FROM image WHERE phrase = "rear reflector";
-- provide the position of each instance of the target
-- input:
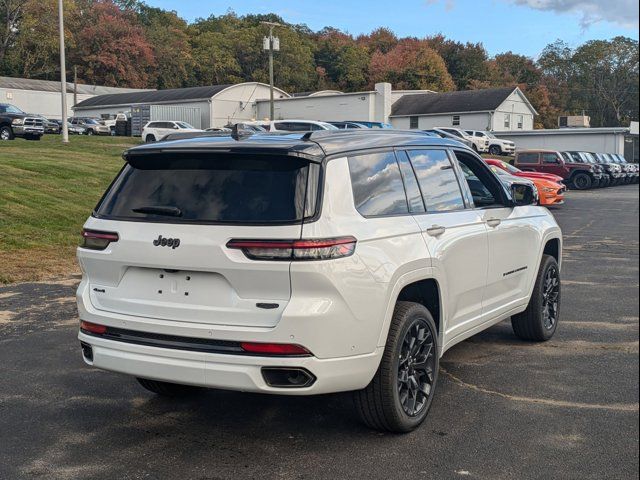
(313, 249)
(275, 349)
(96, 240)
(93, 327)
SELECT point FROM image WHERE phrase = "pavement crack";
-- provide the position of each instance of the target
(616, 407)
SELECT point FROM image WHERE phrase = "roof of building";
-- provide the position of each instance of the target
(451, 102)
(155, 96)
(313, 146)
(565, 131)
(52, 86)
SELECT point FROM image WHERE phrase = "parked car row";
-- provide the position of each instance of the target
(579, 170)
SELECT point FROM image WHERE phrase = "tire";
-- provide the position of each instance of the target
(90, 132)
(582, 181)
(6, 133)
(475, 148)
(380, 405)
(533, 324)
(149, 139)
(167, 389)
(495, 150)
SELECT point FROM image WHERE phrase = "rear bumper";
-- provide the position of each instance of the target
(229, 372)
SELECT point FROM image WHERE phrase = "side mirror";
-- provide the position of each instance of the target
(524, 194)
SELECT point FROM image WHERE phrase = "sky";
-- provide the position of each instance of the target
(521, 26)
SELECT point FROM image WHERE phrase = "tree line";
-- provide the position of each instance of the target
(128, 43)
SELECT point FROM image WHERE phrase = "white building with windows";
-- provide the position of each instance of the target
(494, 109)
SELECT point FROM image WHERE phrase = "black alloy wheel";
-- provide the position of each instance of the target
(582, 181)
(551, 297)
(416, 368)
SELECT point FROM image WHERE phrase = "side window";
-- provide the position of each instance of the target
(455, 120)
(528, 158)
(413, 123)
(377, 185)
(414, 196)
(550, 158)
(437, 180)
(483, 185)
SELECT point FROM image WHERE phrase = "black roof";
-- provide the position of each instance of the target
(451, 102)
(155, 96)
(312, 146)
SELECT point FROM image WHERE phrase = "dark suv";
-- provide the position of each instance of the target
(609, 168)
(576, 172)
(15, 123)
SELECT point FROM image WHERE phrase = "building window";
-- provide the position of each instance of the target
(520, 122)
(455, 120)
(413, 122)
(507, 120)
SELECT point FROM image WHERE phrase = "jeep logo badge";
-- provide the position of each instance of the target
(167, 242)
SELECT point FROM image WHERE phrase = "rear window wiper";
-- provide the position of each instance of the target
(159, 210)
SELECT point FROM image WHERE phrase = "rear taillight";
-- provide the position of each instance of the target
(92, 327)
(318, 249)
(275, 349)
(96, 240)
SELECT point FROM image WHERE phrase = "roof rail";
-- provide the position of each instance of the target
(365, 131)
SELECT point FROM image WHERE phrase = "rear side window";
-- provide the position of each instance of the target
(437, 179)
(530, 158)
(377, 185)
(210, 189)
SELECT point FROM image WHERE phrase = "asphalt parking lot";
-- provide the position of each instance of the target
(505, 409)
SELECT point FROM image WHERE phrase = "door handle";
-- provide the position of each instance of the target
(494, 222)
(436, 230)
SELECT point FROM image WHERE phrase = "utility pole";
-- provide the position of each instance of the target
(272, 44)
(63, 76)
(75, 85)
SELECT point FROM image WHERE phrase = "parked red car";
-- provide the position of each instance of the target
(516, 172)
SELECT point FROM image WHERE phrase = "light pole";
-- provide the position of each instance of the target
(63, 76)
(272, 44)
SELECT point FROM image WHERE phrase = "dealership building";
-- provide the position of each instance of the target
(43, 96)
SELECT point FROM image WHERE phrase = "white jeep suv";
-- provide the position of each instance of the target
(157, 130)
(296, 264)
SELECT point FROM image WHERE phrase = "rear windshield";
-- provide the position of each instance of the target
(223, 189)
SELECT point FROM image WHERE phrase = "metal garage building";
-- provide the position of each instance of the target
(605, 140)
(203, 107)
(43, 96)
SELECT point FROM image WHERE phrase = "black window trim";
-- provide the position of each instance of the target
(455, 169)
(398, 151)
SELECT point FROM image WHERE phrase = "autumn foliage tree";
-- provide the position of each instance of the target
(411, 64)
(111, 47)
(131, 44)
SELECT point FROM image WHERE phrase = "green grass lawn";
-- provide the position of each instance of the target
(47, 190)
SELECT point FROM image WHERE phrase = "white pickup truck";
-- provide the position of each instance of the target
(497, 146)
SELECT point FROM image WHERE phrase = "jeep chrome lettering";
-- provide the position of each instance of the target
(167, 242)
